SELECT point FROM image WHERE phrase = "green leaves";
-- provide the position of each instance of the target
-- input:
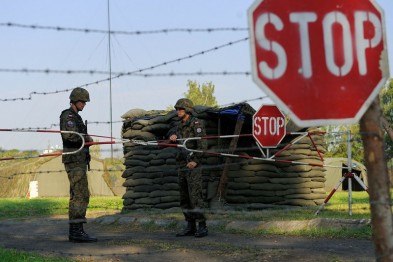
(201, 94)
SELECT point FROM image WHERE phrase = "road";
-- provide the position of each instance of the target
(125, 242)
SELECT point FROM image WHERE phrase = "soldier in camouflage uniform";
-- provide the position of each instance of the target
(76, 164)
(190, 177)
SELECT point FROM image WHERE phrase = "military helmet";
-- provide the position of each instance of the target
(185, 103)
(79, 94)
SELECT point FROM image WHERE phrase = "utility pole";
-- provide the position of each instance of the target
(110, 77)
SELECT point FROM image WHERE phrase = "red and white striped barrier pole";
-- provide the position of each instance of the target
(44, 131)
(348, 175)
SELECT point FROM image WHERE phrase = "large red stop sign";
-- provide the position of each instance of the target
(269, 126)
(322, 62)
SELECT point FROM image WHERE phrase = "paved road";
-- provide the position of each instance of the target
(127, 243)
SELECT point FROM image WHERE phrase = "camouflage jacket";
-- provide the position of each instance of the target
(72, 121)
(193, 127)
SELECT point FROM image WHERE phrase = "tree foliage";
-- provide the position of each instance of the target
(201, 94)
(337, 142)
(387, 109)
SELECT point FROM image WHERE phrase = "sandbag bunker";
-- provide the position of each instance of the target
(151, 171)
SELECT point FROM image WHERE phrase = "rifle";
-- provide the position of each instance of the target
(87, 151)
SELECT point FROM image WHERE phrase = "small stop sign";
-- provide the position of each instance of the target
(268, 126)
(323, 62)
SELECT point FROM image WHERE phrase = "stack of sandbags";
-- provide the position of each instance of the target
(280, 182)
(151, 171)
(151, 178)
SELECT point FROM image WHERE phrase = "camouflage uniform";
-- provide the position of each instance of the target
(75, 165)
(190, 180)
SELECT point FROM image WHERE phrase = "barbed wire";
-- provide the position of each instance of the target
(204, 52)
(56, 125)
(57, 171)
(122, 32)
(92, 72)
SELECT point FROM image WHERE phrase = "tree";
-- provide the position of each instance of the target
(337, 144)
(201, 94)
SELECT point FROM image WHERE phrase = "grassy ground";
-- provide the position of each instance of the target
(16, 255)
(336, 208)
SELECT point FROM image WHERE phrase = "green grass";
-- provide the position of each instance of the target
(20, 256)
(21, 207)
(336, 208)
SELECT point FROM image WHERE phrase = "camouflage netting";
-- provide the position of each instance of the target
(151, 171)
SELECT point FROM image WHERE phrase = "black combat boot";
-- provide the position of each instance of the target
(202, 230)
(189, 230)
(78, 235)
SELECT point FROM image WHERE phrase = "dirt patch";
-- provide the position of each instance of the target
(125, 243)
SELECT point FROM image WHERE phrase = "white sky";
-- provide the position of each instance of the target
(39, 49)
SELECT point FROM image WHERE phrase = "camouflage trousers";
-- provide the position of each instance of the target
(191, 200)
(79, 192)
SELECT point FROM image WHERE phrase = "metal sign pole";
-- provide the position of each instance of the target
(349, 163)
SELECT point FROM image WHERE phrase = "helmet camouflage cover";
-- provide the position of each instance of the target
(184, 103)
(79, 94)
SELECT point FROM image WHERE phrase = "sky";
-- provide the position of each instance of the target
(45, 49)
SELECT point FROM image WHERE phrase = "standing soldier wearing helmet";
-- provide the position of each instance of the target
(76, 164)
(190, 175)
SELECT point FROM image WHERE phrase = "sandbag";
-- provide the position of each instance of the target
(128, 201)
(133, 162)
(250, 192)
(147, 175)
(138, 134)
(156, 128)
(289, 180)
(170, 199)
(166, 180)
(167, 205)
(170, 186)
(134, 113)
(241, 173)
(306, 196)
(131, 170)
(137, 182)
(148, 201)
(269, 186)
(297, 168)
(297, 202)
(157, 162)
(137, 206)
(251, 180)
(146, 188)
(260, 167)
(292, 191)
(238, 186)
(163, 193)
(135, 195)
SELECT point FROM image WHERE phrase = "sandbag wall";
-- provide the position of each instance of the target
(151, 171)
(281, 183)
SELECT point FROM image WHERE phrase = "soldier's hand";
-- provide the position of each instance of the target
(173, 138)
(191, 165)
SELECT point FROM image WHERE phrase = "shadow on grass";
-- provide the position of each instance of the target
(18, 208)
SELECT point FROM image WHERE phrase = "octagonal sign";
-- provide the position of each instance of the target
(322, 62)
(268, 126)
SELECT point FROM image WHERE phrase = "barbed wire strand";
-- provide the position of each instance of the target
(122, 32)
(100, 72)
(204, 52)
